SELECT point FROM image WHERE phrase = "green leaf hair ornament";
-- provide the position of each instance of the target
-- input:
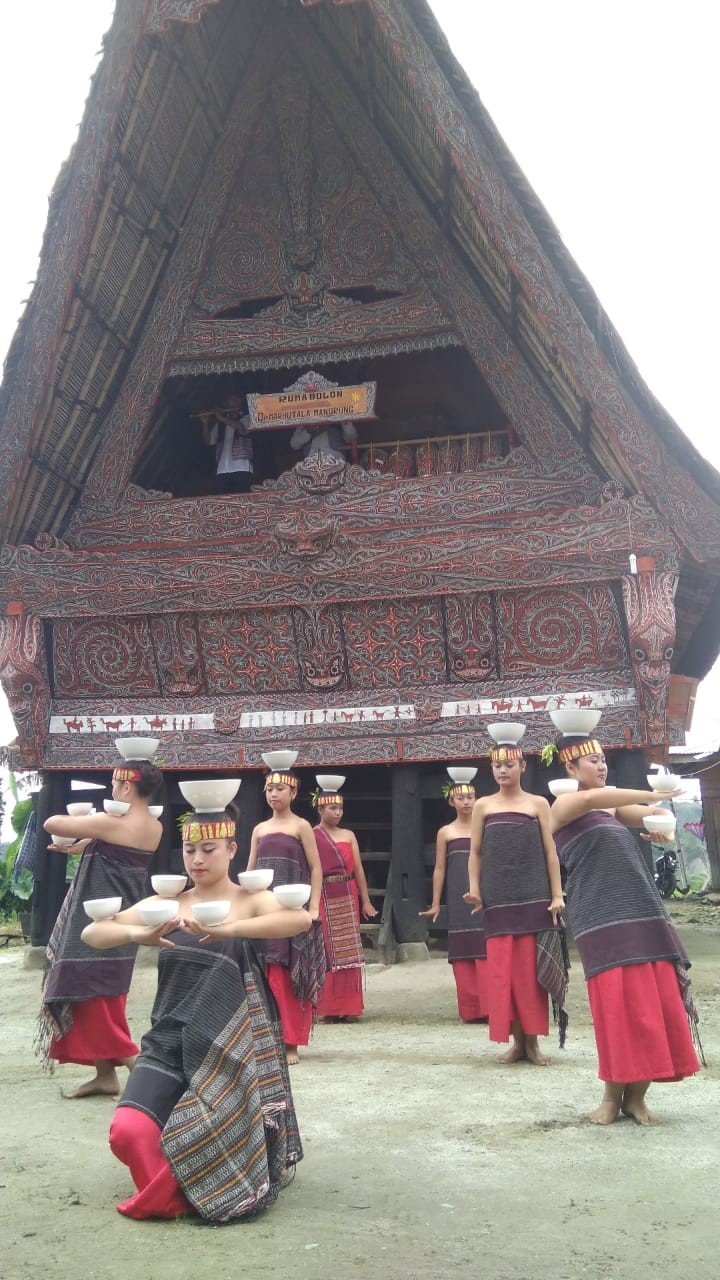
(548, 754)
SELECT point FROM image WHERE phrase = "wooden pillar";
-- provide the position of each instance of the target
(50, 869)
(408, 870)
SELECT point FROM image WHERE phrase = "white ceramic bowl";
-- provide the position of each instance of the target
(459, 774)
(562, 786)
(657, 822)
(292, 895)
(211, 912)
(155, 810)
(102, 908)
(279, 759)
(575, 722)
(79, 810)
(137, 748)
(116, 808)
(63, 842)
(210, 795)
(158, 910)
(330, 781)
(168, 886)
(663, 781)
(506, 734)
(254, 881)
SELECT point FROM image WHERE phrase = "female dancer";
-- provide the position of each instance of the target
(84, 997)
(515, 876)
(634, 963)
(206, 1122)
(344, 894)
(466, 936)
(295, 967)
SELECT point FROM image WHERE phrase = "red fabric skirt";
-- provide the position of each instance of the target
(336, 1001)
(340, 997)
(99, 1033)
(641, 1027)
(514, 993)
(472, 989)
(295, 1015)
(135, 1140)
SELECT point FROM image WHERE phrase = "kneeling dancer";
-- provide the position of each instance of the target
(206, 1122)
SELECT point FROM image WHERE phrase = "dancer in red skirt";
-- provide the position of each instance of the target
(515, 876)
(634, 963)
(295, 967)
(344, 896)
(83, 1017)
(466, 936)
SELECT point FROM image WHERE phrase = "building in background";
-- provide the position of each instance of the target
(300, 214)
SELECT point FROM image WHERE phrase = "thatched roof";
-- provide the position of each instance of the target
(171, 79)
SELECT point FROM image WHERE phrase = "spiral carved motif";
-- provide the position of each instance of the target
(92, 657)
(580, 628)
(360, 242)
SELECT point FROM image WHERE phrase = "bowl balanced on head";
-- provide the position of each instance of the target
(118, 844)
(190, 1082)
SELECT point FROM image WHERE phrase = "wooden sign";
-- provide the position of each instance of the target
(312, 400)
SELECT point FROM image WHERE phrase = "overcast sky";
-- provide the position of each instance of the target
(611, 110)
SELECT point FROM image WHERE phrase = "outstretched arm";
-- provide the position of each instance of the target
(567, 808)
(127, 927)
(93, 826)
(268, 920)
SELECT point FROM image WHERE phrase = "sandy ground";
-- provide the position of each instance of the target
(423, 1157)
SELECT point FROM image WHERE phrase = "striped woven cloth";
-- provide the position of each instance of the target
(212, 1072)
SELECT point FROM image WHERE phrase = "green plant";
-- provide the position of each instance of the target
(15, 889)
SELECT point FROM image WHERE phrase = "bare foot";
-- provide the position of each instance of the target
(606, 1113)
(293, 1056)
(108, 1086)
(516, 1054)
(609, 1108)
(633, 1104)
(640, 1114)
(534, 1054)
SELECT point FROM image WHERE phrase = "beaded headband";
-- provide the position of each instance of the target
(325, 798)
(281, 780)
(503, 755)
(126, 775)
(576, 750)
(198, 827)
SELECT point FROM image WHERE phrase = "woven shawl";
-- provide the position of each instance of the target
(466, 935)
(212, 1073)
(304, 955)
(342, 927)
(514, 880)
(75, 971)
(615, 912)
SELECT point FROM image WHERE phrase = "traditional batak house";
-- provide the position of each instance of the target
(295, 218)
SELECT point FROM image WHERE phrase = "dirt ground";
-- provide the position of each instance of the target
(423, 1157)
